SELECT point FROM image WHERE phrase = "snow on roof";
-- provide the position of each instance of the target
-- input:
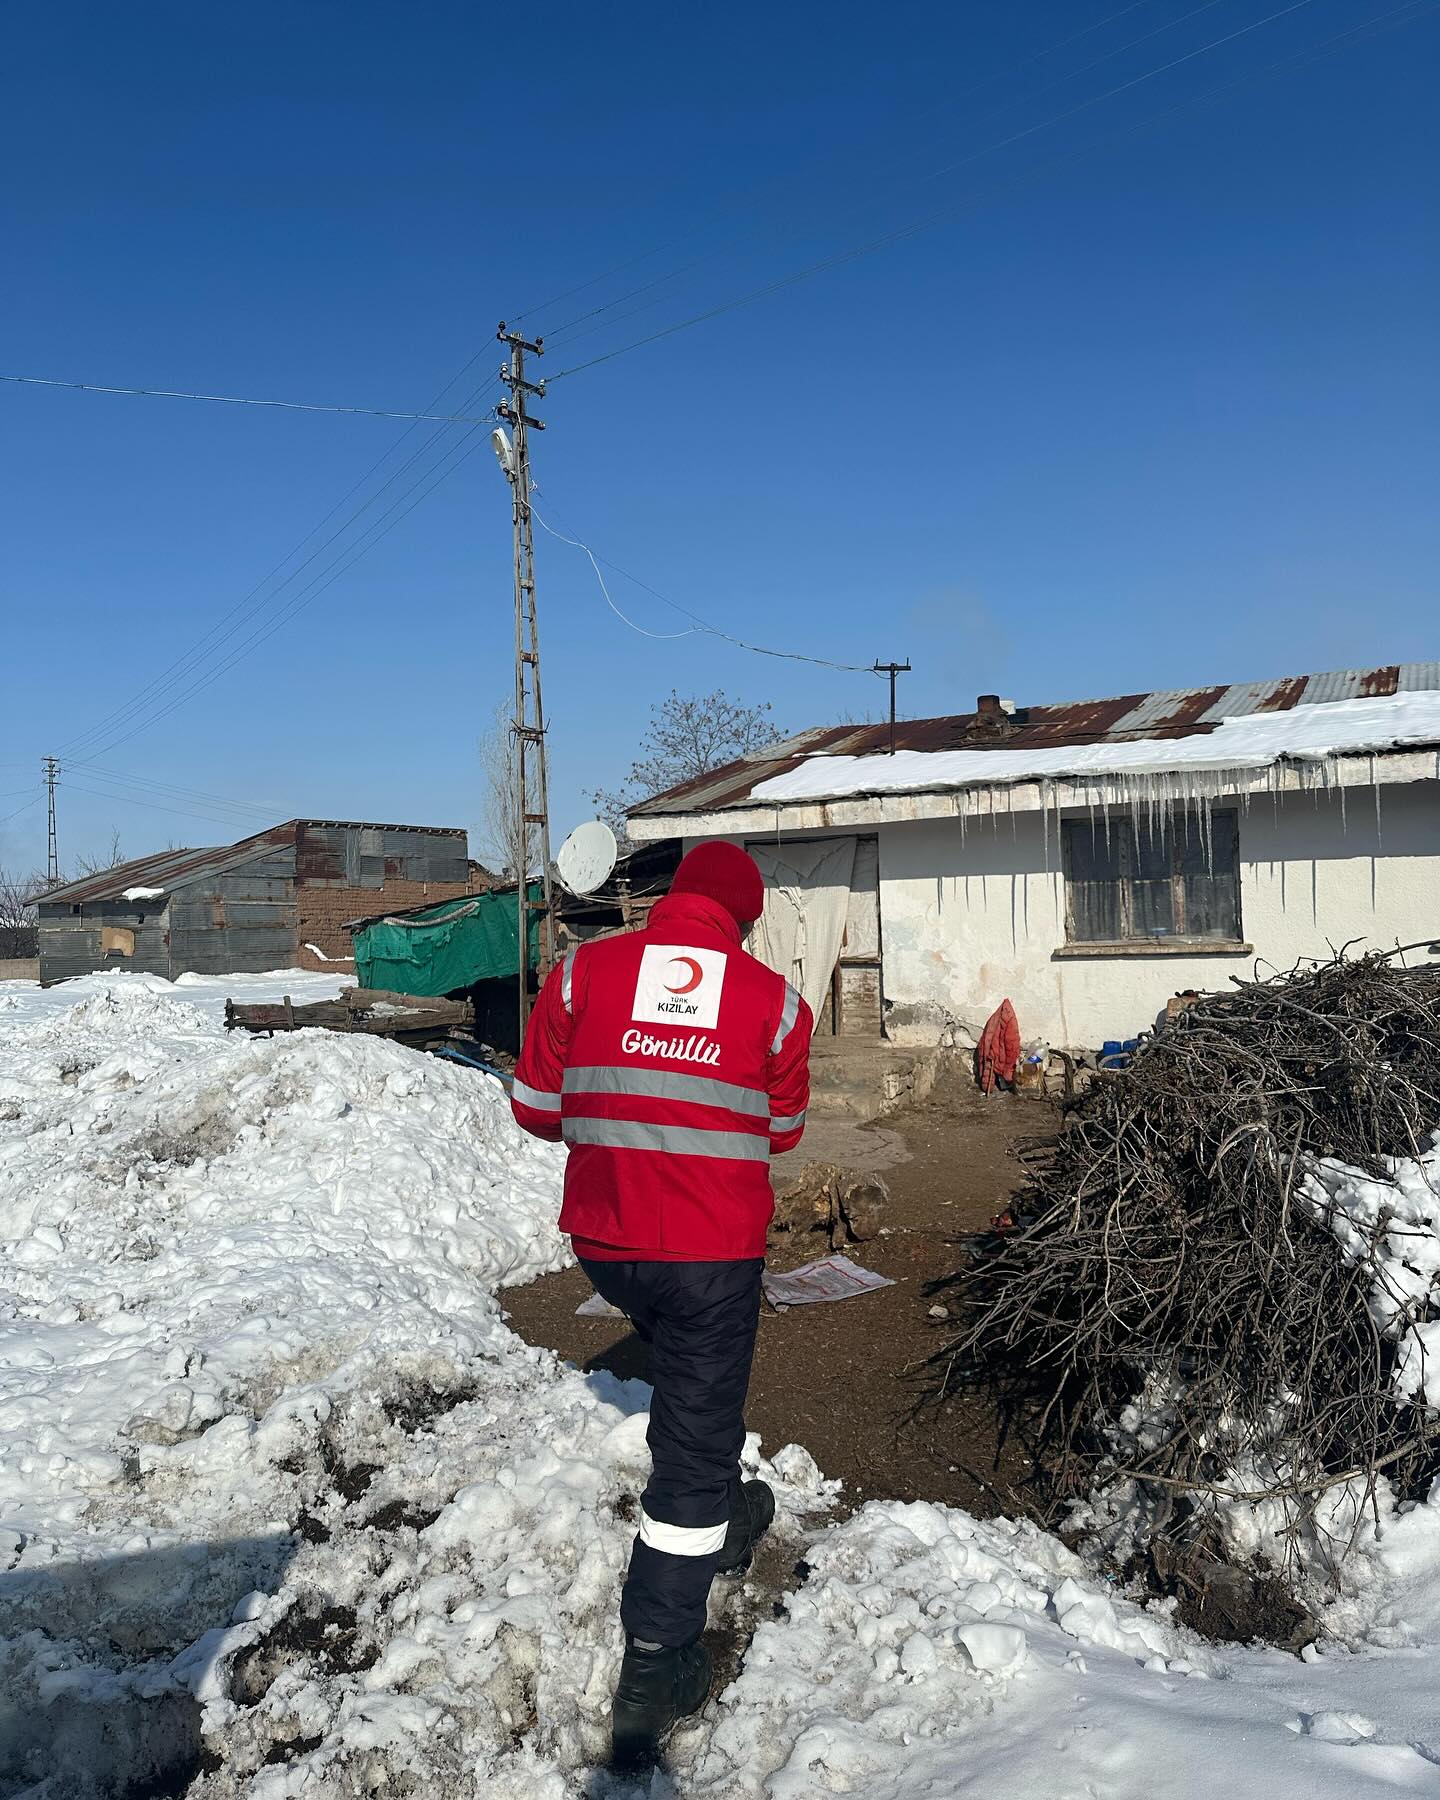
(1310, 733)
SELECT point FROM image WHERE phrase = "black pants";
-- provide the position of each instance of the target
(699, 1319)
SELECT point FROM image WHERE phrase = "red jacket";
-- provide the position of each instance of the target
(673, 1064)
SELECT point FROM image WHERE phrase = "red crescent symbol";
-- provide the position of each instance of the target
(697, 975)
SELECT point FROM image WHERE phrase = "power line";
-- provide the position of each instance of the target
(325, 579)
(247, 609)
(372, 412)
(900, 233)
(25, 808)
(179, 812)
(756, 188)
(561, 331)
(146, 785)
(700, 626)
(689, 631)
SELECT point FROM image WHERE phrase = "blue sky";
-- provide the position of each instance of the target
(1153, 402)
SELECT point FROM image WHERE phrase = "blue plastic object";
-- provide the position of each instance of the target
(473, 1062)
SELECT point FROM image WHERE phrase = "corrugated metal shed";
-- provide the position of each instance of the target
(247, 906)
(1170, 713)
(170, 869)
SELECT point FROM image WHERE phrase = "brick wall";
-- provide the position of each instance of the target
(324, 910)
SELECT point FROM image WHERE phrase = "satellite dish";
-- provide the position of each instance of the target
(587, 857)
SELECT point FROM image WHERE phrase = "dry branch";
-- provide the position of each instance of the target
(1172, 1251)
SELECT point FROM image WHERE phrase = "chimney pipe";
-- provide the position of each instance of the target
(988, 706)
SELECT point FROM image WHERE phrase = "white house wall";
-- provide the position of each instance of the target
(971, 919)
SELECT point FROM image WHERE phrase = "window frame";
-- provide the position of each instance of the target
(1123, 837)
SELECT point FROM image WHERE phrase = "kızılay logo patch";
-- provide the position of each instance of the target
(679, 985)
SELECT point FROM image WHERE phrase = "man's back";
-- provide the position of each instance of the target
(673, 1063)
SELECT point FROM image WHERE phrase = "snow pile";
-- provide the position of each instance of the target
(1307, 734)
(914, 1620)
(286, 1510)
(1401, 1215)
(931, 1654)
(277, 1478)
(188, 1220)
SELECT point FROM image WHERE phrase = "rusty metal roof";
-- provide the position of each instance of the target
(169, 869)
(1169, 713)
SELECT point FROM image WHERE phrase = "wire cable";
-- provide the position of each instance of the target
(568, 336)
(317, 586)
(689, 631)
(179, 812)
(21, 809)
(900, 233)
(749, 192)
(247, 608)
(699, 626)
(147, 785)
(371, 412)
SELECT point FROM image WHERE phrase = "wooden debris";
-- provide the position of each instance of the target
(369, 1011)
(1171, 1243)
(847, 1204)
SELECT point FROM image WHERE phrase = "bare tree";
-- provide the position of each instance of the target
(687, 736)
(18, 930)
(98, 861)
(506, 844)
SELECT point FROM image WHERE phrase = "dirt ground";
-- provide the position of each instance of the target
(844, 1379)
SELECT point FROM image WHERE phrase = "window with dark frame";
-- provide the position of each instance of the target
(1173, 876)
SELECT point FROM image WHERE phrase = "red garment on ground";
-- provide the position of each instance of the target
(999, 1049)
(674, 1065)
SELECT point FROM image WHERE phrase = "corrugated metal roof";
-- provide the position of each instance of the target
(169, 869)
(1169, 713)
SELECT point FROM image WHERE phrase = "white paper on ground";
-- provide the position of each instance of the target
(827, 1278)
(597, 1307)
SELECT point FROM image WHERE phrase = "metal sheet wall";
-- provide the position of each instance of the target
(352, 856)
(70, 942)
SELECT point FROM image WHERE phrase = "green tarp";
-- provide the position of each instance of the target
(446, 946)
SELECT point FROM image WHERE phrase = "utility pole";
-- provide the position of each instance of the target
(50, 769)
(532, 782)
(892, 669)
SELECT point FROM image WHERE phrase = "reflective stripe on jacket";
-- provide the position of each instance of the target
(674, 1064)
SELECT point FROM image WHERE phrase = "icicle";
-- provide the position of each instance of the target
(1340, 784)
(1379, 840)
(1207, 831)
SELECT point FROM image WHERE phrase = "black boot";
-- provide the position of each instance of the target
(657, 1687)
(748, 1524)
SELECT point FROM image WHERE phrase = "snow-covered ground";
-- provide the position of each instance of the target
(287, 1508)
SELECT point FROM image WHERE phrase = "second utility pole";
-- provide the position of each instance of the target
(532, 790)
(892, 669)
(50, 769)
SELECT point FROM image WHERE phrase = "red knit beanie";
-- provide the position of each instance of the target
(725, 873)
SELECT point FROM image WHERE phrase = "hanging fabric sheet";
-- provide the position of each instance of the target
(807, 896)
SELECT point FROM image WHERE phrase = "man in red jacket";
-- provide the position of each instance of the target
(674, 1065)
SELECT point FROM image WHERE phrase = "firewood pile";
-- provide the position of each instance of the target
(1167, 1247)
